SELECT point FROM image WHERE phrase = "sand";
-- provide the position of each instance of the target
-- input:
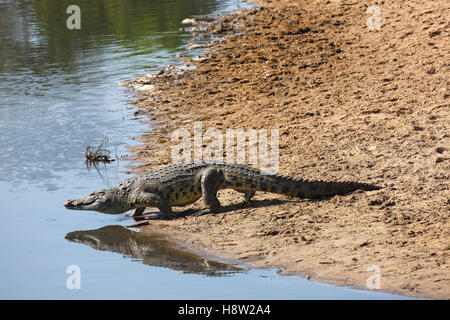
(350, 103)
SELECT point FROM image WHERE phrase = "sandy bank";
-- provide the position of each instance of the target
(349, 104)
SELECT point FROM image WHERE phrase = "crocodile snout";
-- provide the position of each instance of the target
(81, 204)
(68, 204)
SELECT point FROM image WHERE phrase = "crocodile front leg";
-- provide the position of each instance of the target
(146, 199)
(138, 212)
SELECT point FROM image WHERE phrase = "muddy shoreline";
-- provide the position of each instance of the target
(350, 104)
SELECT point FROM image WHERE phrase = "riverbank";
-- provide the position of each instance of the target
(350, 104)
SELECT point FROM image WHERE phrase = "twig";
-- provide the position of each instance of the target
(99, 155)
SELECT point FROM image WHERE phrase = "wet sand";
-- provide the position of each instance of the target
(350, 104)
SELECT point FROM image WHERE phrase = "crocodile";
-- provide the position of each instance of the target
(183, 184)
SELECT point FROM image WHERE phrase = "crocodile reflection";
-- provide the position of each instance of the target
(150, 249)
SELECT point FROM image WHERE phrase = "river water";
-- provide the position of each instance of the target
(59, 94)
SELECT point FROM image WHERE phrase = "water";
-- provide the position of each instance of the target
(58, 94)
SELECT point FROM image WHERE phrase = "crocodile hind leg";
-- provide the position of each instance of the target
(248, 194)
(210, 183)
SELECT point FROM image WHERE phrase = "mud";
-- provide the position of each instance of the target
(350, 103)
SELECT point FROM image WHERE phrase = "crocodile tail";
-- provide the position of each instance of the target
(310, 189)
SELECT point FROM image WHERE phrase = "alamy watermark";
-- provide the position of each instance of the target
(74, 280)
(374, 281)
(74, 20)
(374, 21)
(224, 151)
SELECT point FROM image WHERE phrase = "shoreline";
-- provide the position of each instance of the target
(349, 104)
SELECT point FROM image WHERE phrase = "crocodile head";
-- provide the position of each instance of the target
(106, 201)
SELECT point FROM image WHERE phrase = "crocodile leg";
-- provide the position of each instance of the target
(138, 212)
(153, 200)
(210, 184)
(248, 195)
